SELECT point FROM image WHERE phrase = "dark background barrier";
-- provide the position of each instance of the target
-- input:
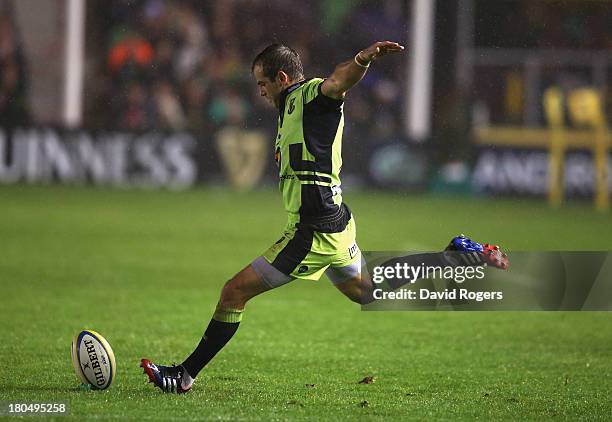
(179, 160)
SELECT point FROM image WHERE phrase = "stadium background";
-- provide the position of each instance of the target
(165, 103)
(154, 69)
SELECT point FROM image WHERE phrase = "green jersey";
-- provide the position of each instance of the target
(308, 154)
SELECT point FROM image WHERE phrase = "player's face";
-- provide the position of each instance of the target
(268, 89)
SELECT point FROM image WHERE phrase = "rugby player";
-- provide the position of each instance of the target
(320, 235)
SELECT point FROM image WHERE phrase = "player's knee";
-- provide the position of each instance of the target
(231, 296)
(362, 294)
(358, 291)
(362, 297)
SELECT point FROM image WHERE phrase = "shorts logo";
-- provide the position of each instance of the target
(302, 269)
(353, 250)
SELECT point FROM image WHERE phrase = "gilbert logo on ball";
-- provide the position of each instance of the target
(93, 359)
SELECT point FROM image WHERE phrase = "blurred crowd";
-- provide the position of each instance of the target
(13, 75)
(186, 64)
(573, 24)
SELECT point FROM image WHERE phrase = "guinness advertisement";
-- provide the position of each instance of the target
(180, 160)
(146, 160)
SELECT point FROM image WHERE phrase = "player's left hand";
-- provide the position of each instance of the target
(379, 49)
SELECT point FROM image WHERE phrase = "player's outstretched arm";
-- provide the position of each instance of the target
(347, 74)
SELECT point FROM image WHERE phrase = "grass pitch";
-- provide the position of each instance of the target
(144, 269)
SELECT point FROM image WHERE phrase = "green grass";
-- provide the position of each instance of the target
(145, 268)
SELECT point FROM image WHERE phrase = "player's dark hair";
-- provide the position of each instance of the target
(276, 57)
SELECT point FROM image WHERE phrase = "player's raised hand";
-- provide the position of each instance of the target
(349, 73)
(379, 49)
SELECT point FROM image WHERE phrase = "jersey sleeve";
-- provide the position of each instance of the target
(314, 97)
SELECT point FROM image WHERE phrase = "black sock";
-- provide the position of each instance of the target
(221, 328)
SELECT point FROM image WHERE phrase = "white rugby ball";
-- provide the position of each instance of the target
(93, 359)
